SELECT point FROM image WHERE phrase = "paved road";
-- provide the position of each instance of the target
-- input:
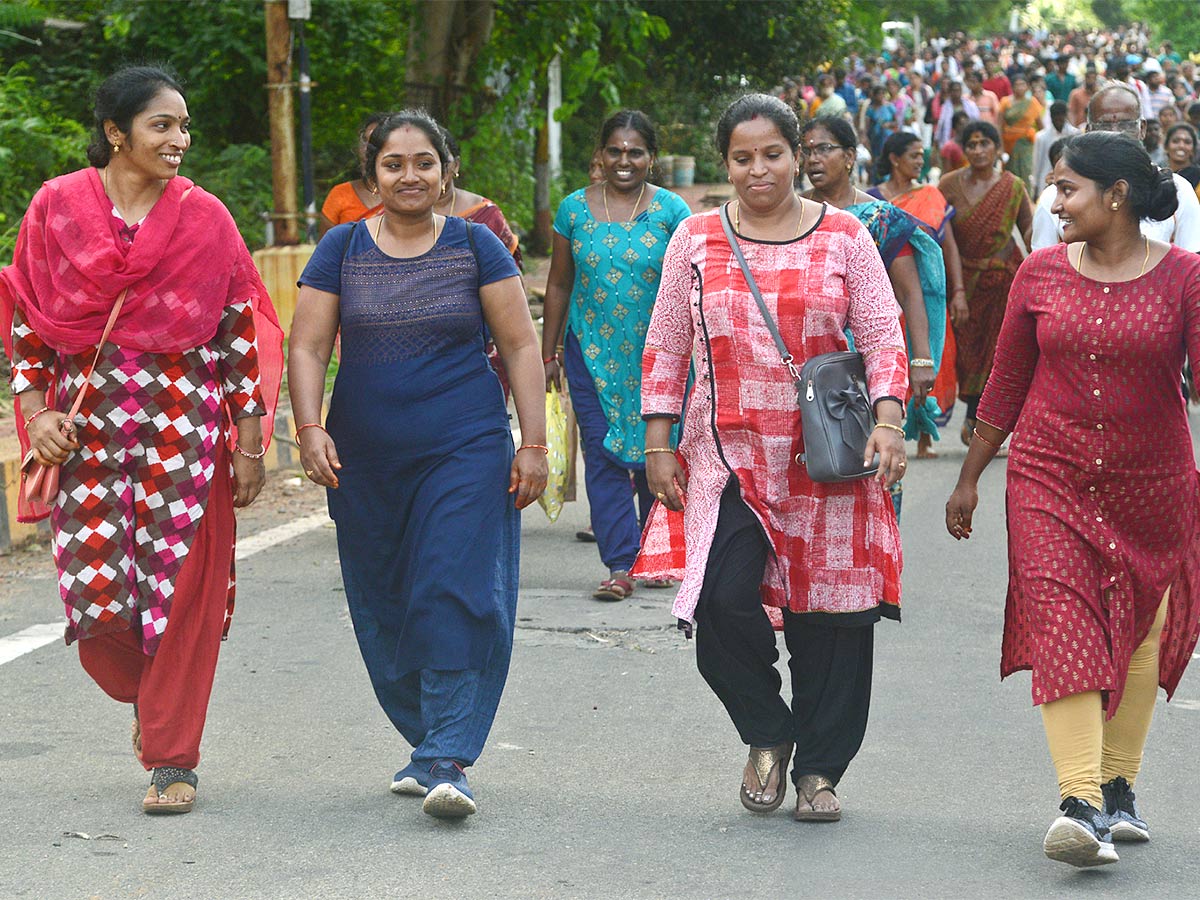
(612, 771)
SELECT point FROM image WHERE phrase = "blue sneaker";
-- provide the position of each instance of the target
(1080, 837)
(1122, 812)
(412, 780)
(449, 795)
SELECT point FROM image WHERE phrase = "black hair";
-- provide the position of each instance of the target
(451, 144)
(634, 119)
(752, 106)
(978, 126)
(842, 131)
(373, 119)
(1181, 126)
(417, 118)
(897, 144)
(1106, 157)
(122, 96)
(1058, 107)
(1056, 149)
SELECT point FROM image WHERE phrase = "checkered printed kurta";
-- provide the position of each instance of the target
(835, 547)
(131, 499)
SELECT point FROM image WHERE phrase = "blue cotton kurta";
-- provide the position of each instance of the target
(421, 429)
(617, 270)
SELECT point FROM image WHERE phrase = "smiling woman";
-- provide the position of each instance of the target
(144, 518)
(424, 484)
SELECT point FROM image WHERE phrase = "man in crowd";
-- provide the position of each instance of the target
(987, 103)
(1077, 103)
(1059, 128)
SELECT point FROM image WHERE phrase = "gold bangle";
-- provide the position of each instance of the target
(896, 428)
(658, 450)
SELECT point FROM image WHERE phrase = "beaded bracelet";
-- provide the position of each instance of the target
(309, 425)
(658, 450)
(259, 455)
(991, 444)
(889, 425)
(29, 421)
(541, 447)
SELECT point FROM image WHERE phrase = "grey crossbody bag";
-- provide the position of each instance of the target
(836, 417)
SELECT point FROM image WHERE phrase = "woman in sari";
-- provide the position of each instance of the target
(352, 200)
(989, 204)
(1020, 119)
(901, 164)
(143, 520)
(912, 258)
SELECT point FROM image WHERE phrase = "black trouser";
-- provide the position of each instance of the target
(736, 653)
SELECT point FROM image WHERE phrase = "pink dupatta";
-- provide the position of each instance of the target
(187, 264)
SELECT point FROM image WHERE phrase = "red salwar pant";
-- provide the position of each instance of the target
(172, 688)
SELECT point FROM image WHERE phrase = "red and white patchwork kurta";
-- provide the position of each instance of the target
(836, 547)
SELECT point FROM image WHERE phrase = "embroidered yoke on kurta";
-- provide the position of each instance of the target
(131, 499)
(1103, 498)
(835, 547)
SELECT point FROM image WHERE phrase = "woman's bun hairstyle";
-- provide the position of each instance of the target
(1107, 157)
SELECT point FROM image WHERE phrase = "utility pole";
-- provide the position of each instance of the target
(285, 217)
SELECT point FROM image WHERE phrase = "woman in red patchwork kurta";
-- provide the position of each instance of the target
(151, 472)
(1103, 602)
(756, 530)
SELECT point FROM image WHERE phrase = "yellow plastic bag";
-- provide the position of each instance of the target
(555, 494)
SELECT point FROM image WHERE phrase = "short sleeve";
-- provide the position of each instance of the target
(677, 210)
(564, 219)
(324, 269)
(494, 261)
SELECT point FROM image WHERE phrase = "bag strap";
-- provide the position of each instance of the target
(788, 359)
(87, 376)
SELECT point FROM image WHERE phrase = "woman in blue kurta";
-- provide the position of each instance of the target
(424, 485)
(609, 241)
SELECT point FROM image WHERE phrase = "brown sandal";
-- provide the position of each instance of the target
(766, 760)
(162, 779)
(808, 788)
(614, 589)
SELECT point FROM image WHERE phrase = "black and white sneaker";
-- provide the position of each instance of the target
(1080, 837)
(1122, 812)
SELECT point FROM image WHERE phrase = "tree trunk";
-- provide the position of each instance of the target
(285, 217)
(444, 39)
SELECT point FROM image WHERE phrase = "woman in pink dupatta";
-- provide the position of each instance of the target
(171, 433)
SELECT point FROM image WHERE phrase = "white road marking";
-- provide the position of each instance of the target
(14, 646)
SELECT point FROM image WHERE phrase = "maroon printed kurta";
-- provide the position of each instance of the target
(1103, 494)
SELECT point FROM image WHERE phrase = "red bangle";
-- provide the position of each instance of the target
(550, 359)
(991, 444)
(541, 447)
(309, 425)
(29, 421)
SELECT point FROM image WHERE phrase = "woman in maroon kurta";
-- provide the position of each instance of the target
(1102, 511)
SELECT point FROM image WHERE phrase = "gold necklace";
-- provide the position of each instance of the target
(604, 191)
(737, 218)
(1141, 272)
(379, 229)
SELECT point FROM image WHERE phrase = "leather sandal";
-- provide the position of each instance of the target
(166, 777)
(808, 788)
(766, 760)
(613, 589)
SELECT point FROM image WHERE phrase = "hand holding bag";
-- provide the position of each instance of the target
(39, 481)
(836, 417)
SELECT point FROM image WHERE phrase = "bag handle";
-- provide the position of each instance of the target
(87, 376)
(788, 359)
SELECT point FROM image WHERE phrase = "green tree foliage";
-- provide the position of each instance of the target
(941, 16)
(1175, 20)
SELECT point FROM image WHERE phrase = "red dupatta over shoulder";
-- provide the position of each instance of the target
(188, 263)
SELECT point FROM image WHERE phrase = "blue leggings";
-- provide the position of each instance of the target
(610, 484)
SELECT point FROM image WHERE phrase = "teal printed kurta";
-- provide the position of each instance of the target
(617, 270)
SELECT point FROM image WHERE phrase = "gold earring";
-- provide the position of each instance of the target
(1115, 205)
(116, 148)
(443, 193)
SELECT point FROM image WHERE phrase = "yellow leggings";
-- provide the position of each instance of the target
(1087, 750)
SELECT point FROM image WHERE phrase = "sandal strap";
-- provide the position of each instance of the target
(819, 784)
(165, 776)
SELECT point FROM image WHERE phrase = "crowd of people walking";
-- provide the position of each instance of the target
(683, 340)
